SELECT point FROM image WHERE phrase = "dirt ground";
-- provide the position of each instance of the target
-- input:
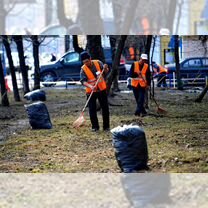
(177, 141)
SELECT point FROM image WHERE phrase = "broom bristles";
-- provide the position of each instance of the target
(160, 110)
(79, 122)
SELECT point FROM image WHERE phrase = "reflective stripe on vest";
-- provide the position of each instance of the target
(141, 79)
(162, 69)
(91, 78)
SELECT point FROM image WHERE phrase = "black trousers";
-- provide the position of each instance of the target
(103, 100)
(139, 94)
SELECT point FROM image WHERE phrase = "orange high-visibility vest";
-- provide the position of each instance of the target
(91, 79)
(162, 69)
(145, 25)
(131, 53)
(141, 79)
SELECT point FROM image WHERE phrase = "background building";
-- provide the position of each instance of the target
(198, 19)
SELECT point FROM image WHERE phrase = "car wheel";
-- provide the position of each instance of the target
(48, 77)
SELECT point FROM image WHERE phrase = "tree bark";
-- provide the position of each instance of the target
(116, 61)
(2, 18)
(12, 68)
(178, 76)
(36, 45)
(113, 40)
(4, 97)
(63, 20)
(19, 42)
(171, 15)
(147, 51)
(95, 48)
(129, 16)
(48, 11)
(89, 17)
(76, 45)
(67, 42)
(151, 60)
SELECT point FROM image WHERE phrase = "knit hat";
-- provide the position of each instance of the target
(144, 56)
(84, 55)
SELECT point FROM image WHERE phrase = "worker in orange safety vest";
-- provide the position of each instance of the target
(131, 53)
(161, 73)
(139, 77)
(90, 71)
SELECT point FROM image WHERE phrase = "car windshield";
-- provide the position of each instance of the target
(71, 57)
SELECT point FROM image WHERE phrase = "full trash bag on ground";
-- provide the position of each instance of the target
(36, 95)
(130, 146)
(147, 189)
(38, 116)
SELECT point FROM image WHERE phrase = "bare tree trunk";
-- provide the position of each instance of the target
(94, 47)
(67, 42)
(4, 97)
(152, 79)
(36, 45)
(12, 68)
(2, 17)
(148, 45)
(203, 39)
(113, 40)
(178, 76)
(179, 16)
(129, 16)
(202, 94)
(118, 12)
(63, 20)
(147, 51)
(48, 11)
(76, 45)
(89, 17)
(116, 61)
(19, 42)
(171, 15)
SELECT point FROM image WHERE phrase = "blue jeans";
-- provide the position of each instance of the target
(139, 94)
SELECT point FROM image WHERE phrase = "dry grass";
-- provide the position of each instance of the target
(177, 142)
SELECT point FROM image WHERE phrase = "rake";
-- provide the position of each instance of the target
(81, 119)
(159, 109)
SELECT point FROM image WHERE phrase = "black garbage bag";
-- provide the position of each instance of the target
(147, 189)
(36, 95)
(38, 116)
(130, 147)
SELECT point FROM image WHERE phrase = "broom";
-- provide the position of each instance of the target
(81, 120)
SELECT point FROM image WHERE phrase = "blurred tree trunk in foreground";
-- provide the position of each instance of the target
(12, 68)
(116, 61)
(177, 61)
(76, 44)
(19, 42)
(4, 97)
(36, 45)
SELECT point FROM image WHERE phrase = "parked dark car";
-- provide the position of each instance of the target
(192, 70)
(69, 65)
